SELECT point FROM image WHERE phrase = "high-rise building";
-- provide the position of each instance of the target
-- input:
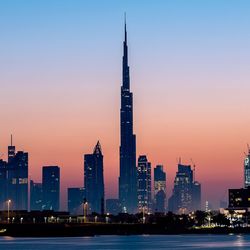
(196, 196)
(186, 192)
(76, 197)
(17, 181)
(51, 188)
(127, 178)
(93, 180)
(36, 196)
(144, 184)
(247, 170)
(14, 180)
(239, 198)
(3, 185)
(159, 189)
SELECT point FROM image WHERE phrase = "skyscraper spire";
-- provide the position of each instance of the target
(125, 28)
(127, 179)
(98, 148)
(125, 67)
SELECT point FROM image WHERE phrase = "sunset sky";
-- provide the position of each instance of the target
(60, 77)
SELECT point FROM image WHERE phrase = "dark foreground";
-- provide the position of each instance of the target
(92, 229)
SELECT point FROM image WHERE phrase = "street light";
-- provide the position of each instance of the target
(85, 211)
(107, 218)
(8, 203)
(143, 215)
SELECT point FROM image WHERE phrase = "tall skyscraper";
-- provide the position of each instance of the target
(14, 180)
(247, 170)
(93, 180)
(159, 189)
(186, 192)
(36, 196)
(51, 188)
(144, 184)
(76, 197)
(127, 178)
(17, 178)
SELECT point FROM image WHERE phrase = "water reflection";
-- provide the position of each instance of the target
(146, 242)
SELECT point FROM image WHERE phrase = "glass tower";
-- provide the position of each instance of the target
(247, 171)
(51, 188)
(144, 184)
(93, 180)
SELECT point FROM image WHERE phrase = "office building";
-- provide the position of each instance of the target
(160, 189)
(14, 180)
(76, 197)
(144, 185)
(247, 170)
(17, 180)
(51, 188)
(3, 185)
(186, 195)
(36, 196)
(93, 180)
(239, 198)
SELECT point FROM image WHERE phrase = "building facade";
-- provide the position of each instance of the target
(160, 189)
(3, 185)
(51, 188)
(239, 198)
(14, 180)
(94, 181)
(36, 196)
(76, 198)
(144, 185)
(247, 170)
(127, 177)
(17, 180)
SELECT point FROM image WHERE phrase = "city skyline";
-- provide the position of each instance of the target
(206, 121)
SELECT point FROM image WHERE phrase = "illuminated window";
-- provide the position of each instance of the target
(23, 180)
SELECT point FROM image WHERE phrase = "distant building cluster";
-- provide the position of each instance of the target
(239, 199)
(138, 191)
(186, 195)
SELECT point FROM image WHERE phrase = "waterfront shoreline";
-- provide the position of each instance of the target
(92, 229)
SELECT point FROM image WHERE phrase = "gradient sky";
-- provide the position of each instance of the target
(60, 77)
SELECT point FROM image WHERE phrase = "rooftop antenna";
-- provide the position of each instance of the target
(179, 160)
(193, 167)
(11, 139)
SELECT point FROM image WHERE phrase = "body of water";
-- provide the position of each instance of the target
(145, 242)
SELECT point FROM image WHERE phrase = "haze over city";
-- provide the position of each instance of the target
(189, 69)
